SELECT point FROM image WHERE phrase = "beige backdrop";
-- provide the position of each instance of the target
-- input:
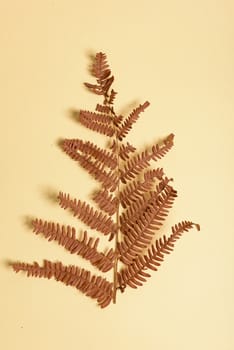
(179, 56)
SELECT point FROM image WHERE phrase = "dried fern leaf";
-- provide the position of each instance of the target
(133, 202)
(96, 89)
(134, 274)
(100, 69)
(159, 152)
(106, 201)
(106, 84)
(135, 166)
(136, 189)
(117, 120)
(102, 73)
(125, 150)
(92, 286)
(112, 96)
(104, 118)
(140, 162)
(103, 108)
(122, 149)
(85, 247)
(84, 212)
(143, 205)
(138, 230)
(130, 120)
(101, 127)
(89, 148)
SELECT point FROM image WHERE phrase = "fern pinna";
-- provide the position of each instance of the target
(131, 205)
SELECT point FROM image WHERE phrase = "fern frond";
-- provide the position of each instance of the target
(135, 189)
(132, 202)
(91, 217)
(89, 148)
(159, 198)
(102, 73)
(134, 274)
(130, 120)
(135, 166)
(159, 152)
(93, 286)
(140, 162)
(66, 237)
(139, 229)
(100, 69)
(106, 201)
(102, 127)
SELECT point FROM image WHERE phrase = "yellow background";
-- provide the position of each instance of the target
(179, 56)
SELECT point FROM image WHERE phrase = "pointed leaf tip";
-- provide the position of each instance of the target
(146, 104)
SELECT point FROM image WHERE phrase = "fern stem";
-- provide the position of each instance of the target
(115, 284)
(115, 268)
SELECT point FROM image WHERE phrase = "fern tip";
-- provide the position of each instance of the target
(198, 227)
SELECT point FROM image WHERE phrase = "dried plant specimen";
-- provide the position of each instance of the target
(131, 204)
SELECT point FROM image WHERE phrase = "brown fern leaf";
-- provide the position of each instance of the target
(132, 203)
(140, 162)
(109, 180)
(106, 202)
(135, 166)
(90, 149)
(102, 73)
(115, 119)
(95, 287)
(130, 120)
(134, 212)
(66, 237)
(96, 89)
(91, 217)
(135, 189)
(159, 152)
(102, 127)
(106, 84)
(139, 229)
(100, 69)
(112, 97)
(134, 274)
(103, 109)
(124, 151)
(103, 118)
(151, 174)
